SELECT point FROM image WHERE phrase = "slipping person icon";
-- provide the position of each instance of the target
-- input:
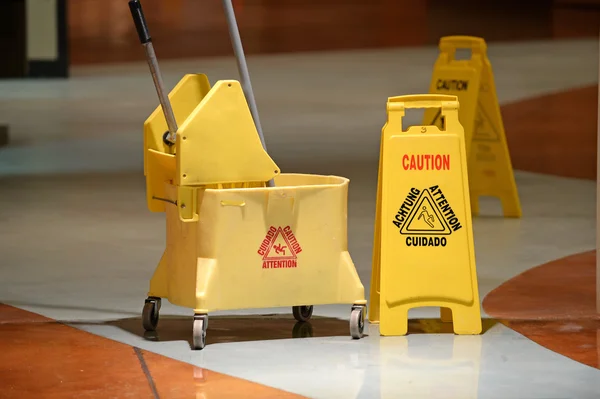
(427, 218)
(279, 249)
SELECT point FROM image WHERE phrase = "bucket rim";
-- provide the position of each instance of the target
(342, 181)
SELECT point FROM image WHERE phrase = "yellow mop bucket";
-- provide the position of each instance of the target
(257, 248)
(240, 235)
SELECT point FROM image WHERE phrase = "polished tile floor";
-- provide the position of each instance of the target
(79, 246)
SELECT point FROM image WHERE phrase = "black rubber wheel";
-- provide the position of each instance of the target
(302, 313)
(150, 315)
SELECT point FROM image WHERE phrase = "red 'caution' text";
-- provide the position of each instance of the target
(426, 162)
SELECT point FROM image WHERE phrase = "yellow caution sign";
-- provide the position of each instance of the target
(472, 81)
(423, 250)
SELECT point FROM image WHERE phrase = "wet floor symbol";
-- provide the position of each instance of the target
(279, 249)
(427, 218)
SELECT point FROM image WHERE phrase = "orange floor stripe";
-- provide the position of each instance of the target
(554, 305)
(41, 358)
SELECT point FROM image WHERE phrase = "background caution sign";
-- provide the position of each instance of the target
(472, 81)
(423, 254)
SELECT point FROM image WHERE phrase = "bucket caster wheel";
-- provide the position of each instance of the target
(150, 313)
(199, 331)
(357, 321)
(302, 313)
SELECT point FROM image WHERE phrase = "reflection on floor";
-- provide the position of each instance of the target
(555, 305)
(230, 329)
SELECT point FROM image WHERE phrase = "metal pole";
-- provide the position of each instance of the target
(160, 90)
(146, 40)
(238, 50)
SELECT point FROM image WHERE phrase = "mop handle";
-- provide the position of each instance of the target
(142, 30)
(238, 50)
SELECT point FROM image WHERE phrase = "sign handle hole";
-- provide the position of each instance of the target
(417, 117)
(463, 54)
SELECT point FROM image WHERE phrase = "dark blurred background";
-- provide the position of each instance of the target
(101, 31)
